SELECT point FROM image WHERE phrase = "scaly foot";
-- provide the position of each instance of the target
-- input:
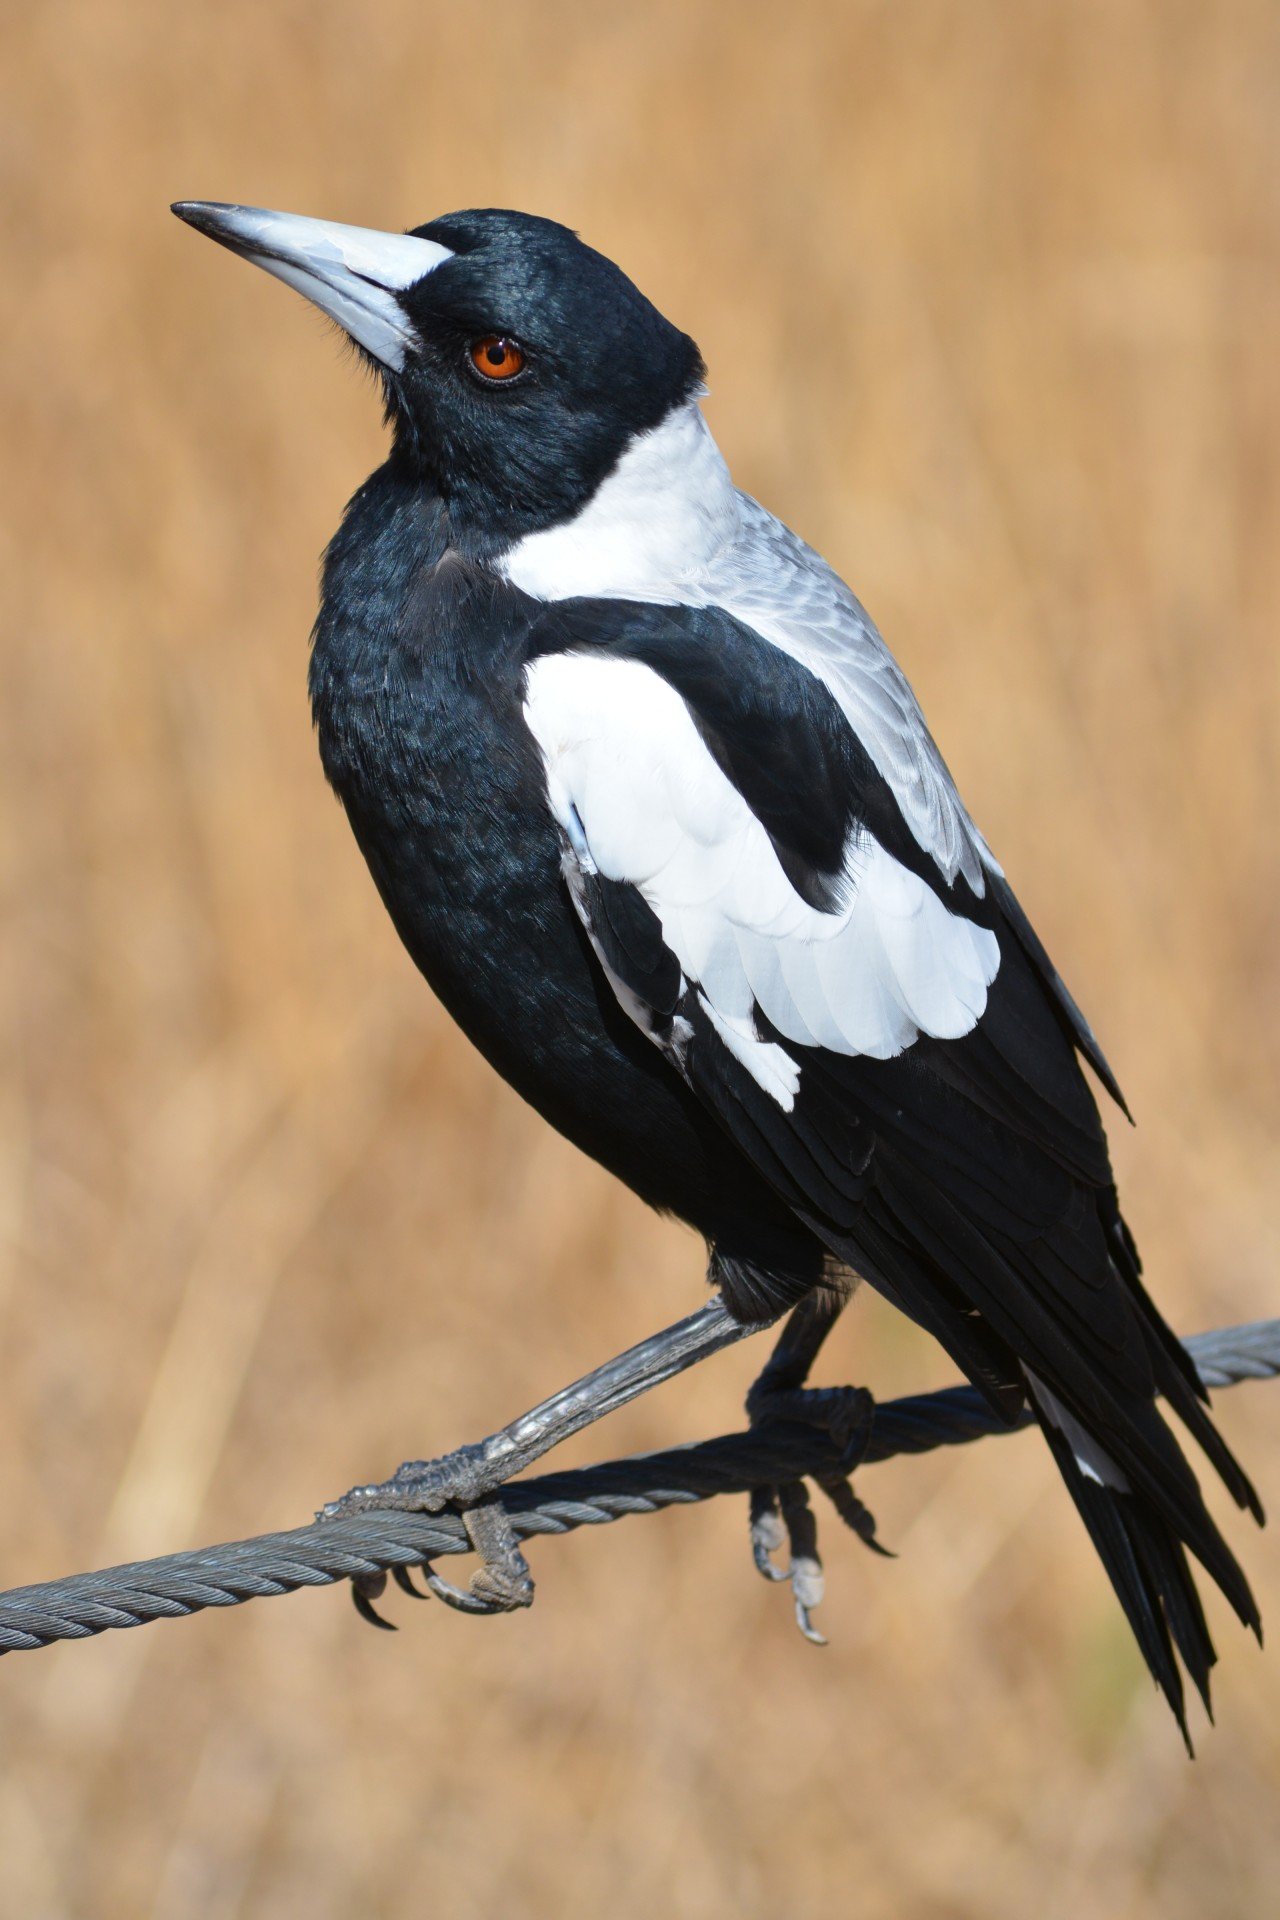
(469, 1478)
(467, 1481)
(782, 1515)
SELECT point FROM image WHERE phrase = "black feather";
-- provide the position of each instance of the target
(967, 1179)
(1147, 1566)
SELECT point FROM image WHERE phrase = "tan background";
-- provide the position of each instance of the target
(990, 296)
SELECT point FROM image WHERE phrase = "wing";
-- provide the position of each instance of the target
(774, 583)
(779, 587)
(885, 1040)
(770, 920)
(797, 912)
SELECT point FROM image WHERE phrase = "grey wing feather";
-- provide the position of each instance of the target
(768, 578)
(772, 581)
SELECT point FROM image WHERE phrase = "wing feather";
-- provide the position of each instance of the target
(629, 770)
(882, 1034)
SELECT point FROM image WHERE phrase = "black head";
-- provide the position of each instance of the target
(518, 363)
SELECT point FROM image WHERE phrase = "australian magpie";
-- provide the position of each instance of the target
(657, 815)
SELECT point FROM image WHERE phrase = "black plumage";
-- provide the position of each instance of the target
(416, 686)
(559, 663)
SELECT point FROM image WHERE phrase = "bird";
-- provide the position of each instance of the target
(657, 815)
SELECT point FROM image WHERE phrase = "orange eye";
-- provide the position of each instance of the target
(496, 357)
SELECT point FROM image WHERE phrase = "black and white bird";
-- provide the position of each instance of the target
(656, 813)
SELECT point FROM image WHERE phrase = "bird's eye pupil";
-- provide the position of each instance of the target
(497, 356)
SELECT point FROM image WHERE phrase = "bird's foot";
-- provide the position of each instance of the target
(460, 1479)
(465, 1481)
(470, 1479)
(783, 1516)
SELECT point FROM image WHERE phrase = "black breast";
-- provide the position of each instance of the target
(417, 691)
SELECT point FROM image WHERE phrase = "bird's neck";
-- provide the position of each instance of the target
(655, 521)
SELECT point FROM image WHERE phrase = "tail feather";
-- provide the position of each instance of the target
(1147, 1565)
(1233, 1476)
(1192, 1409)
(1175, 1370)
(1142, 1535)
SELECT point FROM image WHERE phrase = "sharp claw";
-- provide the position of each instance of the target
(807, 1581)
(461, 1599)
(808, 1584)
(363, 1602)
(782, 1515)
(456, 1597)
(857, 1517)
(806, 1626)
(766, 1566)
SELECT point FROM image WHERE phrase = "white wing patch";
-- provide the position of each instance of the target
(640, 799)
(668, 526)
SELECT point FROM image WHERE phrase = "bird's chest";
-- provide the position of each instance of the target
(422, 734)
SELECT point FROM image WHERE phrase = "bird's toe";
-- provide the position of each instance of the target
(502, 1583)
(782, 1516)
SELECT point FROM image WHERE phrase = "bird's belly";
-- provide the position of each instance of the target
(485, 915)
(488, 920)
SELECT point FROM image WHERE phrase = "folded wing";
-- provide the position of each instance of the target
(886, 1040)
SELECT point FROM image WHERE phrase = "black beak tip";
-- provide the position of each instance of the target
(206, 216)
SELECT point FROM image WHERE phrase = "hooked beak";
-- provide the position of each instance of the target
(351, 273)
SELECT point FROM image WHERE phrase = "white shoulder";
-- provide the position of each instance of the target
(640, 800)
(668, 526)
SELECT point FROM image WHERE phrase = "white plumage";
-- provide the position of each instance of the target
(668, 526)
(639, 798)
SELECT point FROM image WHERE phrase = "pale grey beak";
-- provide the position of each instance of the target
(351, 273)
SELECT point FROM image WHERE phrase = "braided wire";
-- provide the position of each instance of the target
(366, 1544)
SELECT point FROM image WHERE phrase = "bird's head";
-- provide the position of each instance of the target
(518, 363)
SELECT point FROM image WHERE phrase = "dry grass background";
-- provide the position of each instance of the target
(991, 297)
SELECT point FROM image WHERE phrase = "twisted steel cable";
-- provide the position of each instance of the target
(363, 1545)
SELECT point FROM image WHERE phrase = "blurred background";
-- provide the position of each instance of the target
(990, 297)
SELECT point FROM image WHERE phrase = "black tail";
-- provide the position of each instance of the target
(1142, 1545)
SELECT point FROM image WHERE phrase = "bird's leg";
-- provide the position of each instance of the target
(468, 1478)
(782, 1515)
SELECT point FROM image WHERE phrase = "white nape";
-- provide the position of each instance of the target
(663, 512)
(669, 526)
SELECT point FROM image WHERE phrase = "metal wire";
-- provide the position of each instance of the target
(366, 1544)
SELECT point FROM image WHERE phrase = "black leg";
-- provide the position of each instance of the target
(468, 1477)
(782, 1516)
(798, 1345)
